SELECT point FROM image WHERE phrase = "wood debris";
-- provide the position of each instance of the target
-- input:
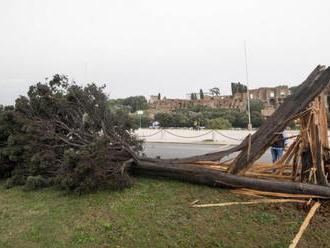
(259, 193)
(248, 203)
(304, 225)
(302, 170)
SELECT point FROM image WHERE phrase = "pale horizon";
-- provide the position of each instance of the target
(170, 47)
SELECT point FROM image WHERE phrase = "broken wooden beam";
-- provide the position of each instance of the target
(316, 82)
(213, 177)
(259, 193)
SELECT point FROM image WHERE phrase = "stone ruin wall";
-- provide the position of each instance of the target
(272, 97)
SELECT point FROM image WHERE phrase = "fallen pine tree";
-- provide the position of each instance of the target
(63, 134)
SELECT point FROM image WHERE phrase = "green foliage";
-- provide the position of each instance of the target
(145, 121)
(256, 105)
(218, 123)
(215, 91)
(129, 104)
(81, 169)
(165, 119)
(36, 182)
(194, 108)
(117, 104)
(256, 119)
(240, 120)
(57, 118)
(136, 103)
(193, 96)
(173, 120)
(17, 178)
(238, 88)
(203, 115)
(201, 94)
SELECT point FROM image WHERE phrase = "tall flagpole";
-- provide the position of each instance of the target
(247, 86)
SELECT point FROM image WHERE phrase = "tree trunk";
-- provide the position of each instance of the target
(212, 177)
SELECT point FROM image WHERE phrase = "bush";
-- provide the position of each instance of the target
(218, 123)
(256, 119)
(256, 105)
(241, 120)
(145, 121)
(176, 119)
(36, 182)
(15, 179)
(136, 103)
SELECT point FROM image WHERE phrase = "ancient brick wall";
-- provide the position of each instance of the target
(271, 97)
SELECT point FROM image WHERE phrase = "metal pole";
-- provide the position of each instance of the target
(247, 86)
(140, 121)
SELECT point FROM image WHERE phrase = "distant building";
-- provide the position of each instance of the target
(153, 99)
(272, 97)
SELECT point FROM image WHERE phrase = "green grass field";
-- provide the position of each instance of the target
(152, 213)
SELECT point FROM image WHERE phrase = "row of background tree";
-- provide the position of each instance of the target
(215, 91)
(197, 115)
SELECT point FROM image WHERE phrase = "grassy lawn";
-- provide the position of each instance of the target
(153, 213)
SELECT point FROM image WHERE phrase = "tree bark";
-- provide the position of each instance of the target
(212, 177)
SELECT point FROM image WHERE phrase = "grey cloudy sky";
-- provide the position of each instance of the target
(150, 46)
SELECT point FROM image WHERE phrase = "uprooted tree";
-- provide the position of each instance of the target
(64, 134)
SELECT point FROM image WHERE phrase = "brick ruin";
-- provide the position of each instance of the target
(272, 97)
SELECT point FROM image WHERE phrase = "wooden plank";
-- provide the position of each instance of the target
(304, 225)
(274, 194)
(248, 203)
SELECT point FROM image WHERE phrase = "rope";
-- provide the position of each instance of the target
(228, 137)
(190, 137)
(186, 137)
(197, 136)
(150, 135)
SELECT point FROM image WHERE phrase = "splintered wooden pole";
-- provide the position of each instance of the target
(315, 139)
(321, 140)
(292, 151)
(323, 120)
(305, 152)
(317, 81)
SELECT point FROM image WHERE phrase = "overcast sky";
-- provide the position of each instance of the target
(142, 47)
